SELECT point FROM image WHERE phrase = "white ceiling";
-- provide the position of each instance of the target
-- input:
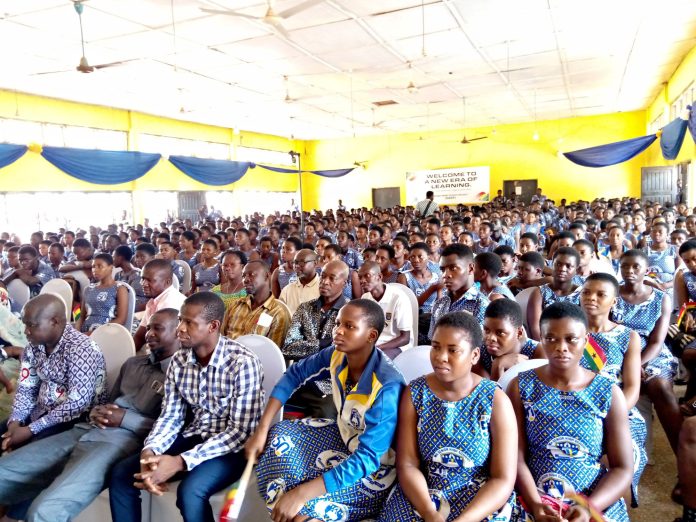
(512, 60)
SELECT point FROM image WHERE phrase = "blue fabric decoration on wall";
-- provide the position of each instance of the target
(10, 153)
(103, 167)
(672, 138)
(336, 173)
(611, 153)
(211, 171)
(692, 121)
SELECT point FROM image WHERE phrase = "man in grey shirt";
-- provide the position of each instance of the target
(57, 477)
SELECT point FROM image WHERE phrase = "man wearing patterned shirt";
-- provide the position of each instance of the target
(212, 403)
(259, 312)
(457, 263)
(61, 376)
(312, 324)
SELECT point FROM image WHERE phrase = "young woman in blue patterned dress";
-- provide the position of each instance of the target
(505, 341)
(105, 301)
(663, 258)
(568, 418)
(334, 469)
(562, 288)
(647, 311)
(285, 273)
(456, 436)
(616, 355)
(206, 274)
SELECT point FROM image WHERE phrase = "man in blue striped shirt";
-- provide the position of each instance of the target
(212, 403)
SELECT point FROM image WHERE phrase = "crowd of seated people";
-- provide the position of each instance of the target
(595, 288)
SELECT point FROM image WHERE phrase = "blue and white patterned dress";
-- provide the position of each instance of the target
(615, 343)
(454, 443)
(100, 305)
(565, 437)
(486, 360)
(502, 290)
(548, 296)
(642, 318)
(473, 301)
(206, 277)
(419, 288)
(690, 282)
(285, 276)
(662, 263)
(192, 261)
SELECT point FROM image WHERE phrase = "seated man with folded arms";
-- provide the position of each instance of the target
(57, 477)
(32, 271)
(213, 398)
(398, 326)
(259, 312)
(156, 279)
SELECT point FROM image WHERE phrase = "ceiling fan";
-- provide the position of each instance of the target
(465, 140)
(84, 66)
(272, 18)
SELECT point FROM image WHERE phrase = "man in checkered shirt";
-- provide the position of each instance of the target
(212, 403)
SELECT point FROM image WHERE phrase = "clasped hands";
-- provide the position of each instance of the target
(156, 470)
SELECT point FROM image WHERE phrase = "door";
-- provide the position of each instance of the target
(386, 197)
(524, 189)
(659, 184)
(189, 203)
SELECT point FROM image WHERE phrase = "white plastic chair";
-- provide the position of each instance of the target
(175, 283)
(186, 283)
(163, 509)
(405, 290)
(523, 300)
(128, 325)
(512, 372)
(80, 277)
(19, 292)
(414, 362)
(116, 343)
(62, 289)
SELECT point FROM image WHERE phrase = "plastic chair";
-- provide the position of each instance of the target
(414, 362)
(19, 292)
(175, 283)
(405, 290)
(80, 277)
(163, 509)
(128, 325)
(62, 289)
(186, 283)
(511, 373)
(116, 343)
(523, 300)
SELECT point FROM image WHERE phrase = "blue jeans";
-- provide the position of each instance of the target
(56, 477)
(194, 492)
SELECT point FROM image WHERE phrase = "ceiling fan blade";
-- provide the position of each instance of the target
(302, 6)
(115, 64)
(230, 13)
(51, 72)
(278, 27)
(481, 138)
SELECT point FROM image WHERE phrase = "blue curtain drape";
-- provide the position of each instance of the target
(611, 153)
(672, 138)
(104, 167)
(211, 171)
(692, 121)
(10, 153)
(335, 173)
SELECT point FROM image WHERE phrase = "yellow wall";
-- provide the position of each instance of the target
(511, 153)
(682, 78)
(32, 172)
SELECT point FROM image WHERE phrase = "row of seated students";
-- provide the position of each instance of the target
(457, 292)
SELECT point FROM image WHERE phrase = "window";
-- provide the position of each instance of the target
(169, 146)
(659, 122)
(685, 98)
(55, 135)
(264, 156)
